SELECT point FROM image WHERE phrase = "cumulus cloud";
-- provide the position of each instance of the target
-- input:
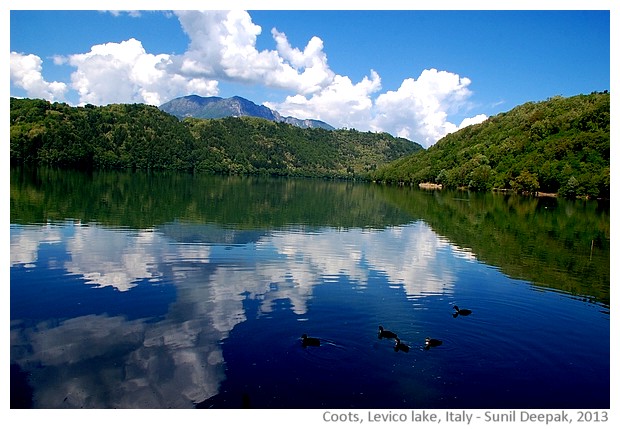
(125, 72)
(223, 47)
(342, 103)
(472, 121)
(26, 73)
(419, 109)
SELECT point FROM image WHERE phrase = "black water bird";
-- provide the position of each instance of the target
(461, 311)
(431, 342)
(398, 346)
(386, 334)
(309, 341)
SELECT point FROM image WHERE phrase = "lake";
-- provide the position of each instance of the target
(169, 290)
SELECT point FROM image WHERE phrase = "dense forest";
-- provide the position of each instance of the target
(141, 137)
(560, 145)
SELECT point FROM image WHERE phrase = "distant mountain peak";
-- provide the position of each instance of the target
(195, 106)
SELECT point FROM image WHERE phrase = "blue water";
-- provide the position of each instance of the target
(206, 315)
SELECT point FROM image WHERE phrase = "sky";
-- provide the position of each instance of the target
(417, 74)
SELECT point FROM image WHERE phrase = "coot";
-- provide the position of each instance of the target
(309, 341)
(386, 334)
(431, 342)
(398, 346)
(461, 312)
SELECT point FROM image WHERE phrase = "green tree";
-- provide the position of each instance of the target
(525, 182)
(571, 189)
(546, 142)
(481, 178)
(136, 136)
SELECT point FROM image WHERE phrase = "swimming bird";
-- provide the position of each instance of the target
(431, 342)
(461, 312)
(400, 346)
(386, 334)
(309, 341)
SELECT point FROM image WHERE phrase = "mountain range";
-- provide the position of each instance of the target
(195, 106)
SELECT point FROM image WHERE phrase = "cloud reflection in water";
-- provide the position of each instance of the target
(100, 361)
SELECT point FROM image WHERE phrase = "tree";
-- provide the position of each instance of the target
(535, 147)
(526, 183)
(137, 136)
(571, 188)
(481, 178)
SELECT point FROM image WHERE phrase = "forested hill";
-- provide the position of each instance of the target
(138, 136)
(559, 146)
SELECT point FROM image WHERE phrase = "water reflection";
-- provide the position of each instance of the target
(412, 257)
(109, 258)
(25, 244)
(203, 300)
(106, 358)
(553, 243)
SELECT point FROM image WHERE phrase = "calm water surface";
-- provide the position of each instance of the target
(172, 291)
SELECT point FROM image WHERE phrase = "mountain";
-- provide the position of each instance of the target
(561, 145)
(195, 106)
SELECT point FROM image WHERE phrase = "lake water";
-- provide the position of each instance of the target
(175, 291)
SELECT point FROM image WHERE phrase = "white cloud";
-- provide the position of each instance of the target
(419, 109)
(131, 13)
(316, 73)
(124, 72)
(26, 74)
(222, 47)
(342, 103)
(472, 121)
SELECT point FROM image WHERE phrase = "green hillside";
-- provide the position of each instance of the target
(558, 146)
(138, 136)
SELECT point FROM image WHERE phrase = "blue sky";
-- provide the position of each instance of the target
(419, 74)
